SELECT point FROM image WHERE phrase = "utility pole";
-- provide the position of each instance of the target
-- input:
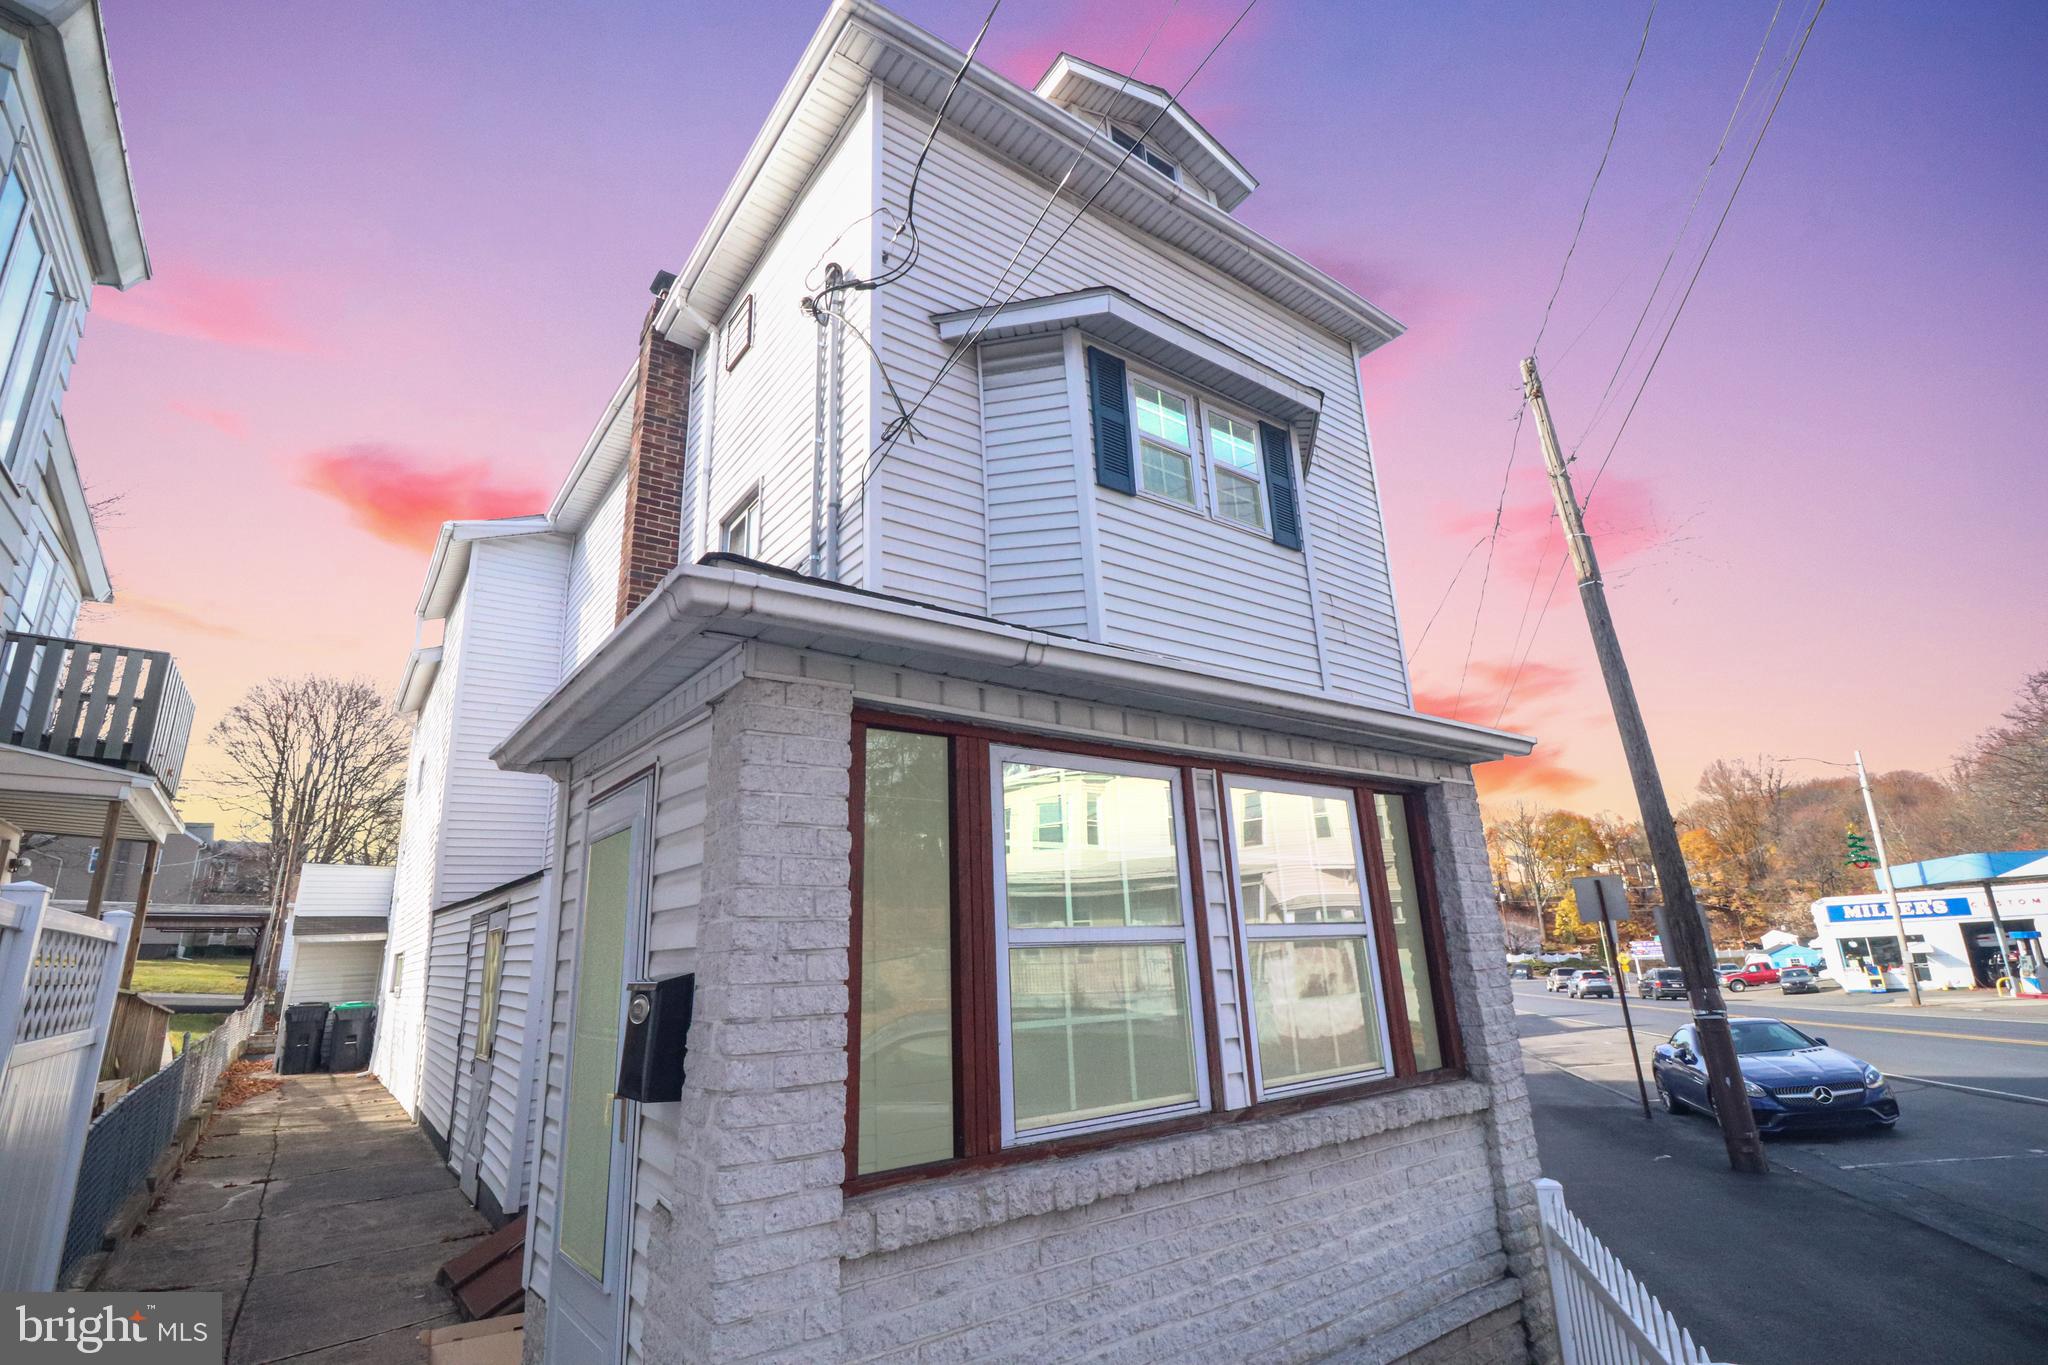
(1682, 919)
(1891, 894)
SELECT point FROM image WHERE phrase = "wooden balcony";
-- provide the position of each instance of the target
(126, 708)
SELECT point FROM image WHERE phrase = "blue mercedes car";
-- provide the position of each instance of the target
(1796, 1082)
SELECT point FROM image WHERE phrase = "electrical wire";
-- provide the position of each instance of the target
(1708, 250)
(1441, 601)
(1613, 129)
(973, 337)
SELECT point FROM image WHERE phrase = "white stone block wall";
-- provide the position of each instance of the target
(1363, 1230)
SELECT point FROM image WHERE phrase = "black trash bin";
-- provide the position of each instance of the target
(351, 1028)
(299, 1050)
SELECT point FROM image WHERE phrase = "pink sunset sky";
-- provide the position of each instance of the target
(402, 252)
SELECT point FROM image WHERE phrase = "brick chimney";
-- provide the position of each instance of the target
(654, 467)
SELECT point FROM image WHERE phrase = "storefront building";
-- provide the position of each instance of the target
(1947, 906)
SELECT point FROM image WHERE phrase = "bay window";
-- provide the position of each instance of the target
(1037, 963)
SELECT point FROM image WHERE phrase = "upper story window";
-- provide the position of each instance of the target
(740, 532)
(31, 301)
(1139, 151)
(739, 332)
(1036, 961)
(1163, 439)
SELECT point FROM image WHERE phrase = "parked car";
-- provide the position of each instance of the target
(1755, 974)
(1662, 983)
(1560, 978)
(1797, 981)
(1590, 983)
(1795, 1081)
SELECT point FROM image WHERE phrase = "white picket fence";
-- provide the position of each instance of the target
(1604, 1315)
(59, 975)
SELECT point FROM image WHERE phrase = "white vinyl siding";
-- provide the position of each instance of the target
(395, 1057)
(676, 863)
(593, 591)
(1161, 582)
(497, 822)
(334, 972)
(447, 981)
(764, 408)
(1037, 572)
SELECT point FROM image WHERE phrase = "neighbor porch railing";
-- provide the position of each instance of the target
(110, 704)
(58, 976)
(1604, 1315)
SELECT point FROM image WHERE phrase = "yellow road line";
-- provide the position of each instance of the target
(1878, 1028)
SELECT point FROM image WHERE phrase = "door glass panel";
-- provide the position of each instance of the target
(906, 958)
(1313, 1008)
(1088, 849)
(594, 1053)
(1098, 1029)
(1404, 898)
(487, 1007)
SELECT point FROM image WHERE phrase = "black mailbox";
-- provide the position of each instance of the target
(657, 1039)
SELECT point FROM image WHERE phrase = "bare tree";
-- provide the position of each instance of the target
(2003, 776)
(319, 764)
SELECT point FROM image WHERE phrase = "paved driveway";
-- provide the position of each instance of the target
(320, 1214)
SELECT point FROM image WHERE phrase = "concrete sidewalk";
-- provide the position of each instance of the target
(321, 1215)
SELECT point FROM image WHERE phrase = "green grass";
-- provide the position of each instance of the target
(198, 1025)
(194, 976)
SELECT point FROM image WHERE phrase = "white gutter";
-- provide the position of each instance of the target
(718, 600)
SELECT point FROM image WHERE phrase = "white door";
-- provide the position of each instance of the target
(477, 1053)
(587, 1300)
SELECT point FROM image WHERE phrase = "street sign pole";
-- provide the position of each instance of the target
(1609, 894)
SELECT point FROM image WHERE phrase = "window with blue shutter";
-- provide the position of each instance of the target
(1278, 453)
(1109, 402)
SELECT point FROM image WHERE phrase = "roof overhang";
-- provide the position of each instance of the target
(422, 666)
(74, 516)
(1082, 85)
(702, 610)
(50, 794)
(1972, 867)
(1144, 331)
(859, 42)
(449, 565)
(600, 460)
(69, 45)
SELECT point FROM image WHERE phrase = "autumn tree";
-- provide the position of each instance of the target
(317, 764)
(2002, 778)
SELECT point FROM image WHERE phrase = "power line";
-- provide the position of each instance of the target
(1584, 207)
(1708, 250)
(1500, 508)
(1698, 193)
(973, 337)
(1416, 648)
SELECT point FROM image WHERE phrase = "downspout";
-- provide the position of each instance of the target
(816, 560)
(835, 437)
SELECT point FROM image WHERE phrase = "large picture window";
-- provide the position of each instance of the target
(1037, 961)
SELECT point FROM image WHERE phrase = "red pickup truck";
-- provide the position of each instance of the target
(1755, 974)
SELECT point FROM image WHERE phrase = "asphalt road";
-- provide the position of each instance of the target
(1926, 1243)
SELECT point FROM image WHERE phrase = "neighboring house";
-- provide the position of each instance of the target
(92, 736)
(333, 949)
(468, 890)
(1094, 950)
(193, 868)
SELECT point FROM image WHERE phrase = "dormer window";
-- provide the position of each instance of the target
(1130, 143)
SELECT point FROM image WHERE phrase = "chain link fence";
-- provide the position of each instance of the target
(124, 1142)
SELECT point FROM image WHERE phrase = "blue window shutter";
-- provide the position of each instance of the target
(1278, 453)
(1108, 400)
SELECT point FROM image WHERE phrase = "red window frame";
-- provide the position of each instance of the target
(977, 1112)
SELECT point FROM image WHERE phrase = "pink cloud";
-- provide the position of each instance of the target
(1488, 680)
(196, 303)
(224, 420)
(1622, 517)
(402, 497)
(1543, 773)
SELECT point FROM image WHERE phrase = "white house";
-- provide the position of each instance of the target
(1094, 950)
(92, 735)
(333, 949)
